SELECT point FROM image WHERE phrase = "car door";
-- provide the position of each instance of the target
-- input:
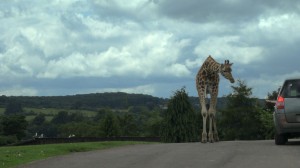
(292, 101)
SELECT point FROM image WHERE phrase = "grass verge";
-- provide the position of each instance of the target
(18, 155)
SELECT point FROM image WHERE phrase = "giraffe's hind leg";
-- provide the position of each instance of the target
(204, 119)
(213, 134)
(204, 133)
(210, 133)
(216, 136)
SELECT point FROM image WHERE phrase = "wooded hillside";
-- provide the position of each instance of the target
(116, 100)
(94, 101)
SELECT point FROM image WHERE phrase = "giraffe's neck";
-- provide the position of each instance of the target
(211, 66)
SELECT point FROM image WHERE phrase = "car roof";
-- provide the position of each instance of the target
(295, 78)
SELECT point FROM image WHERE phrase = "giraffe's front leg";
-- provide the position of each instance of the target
(204, 133)
(210, 132)
(213, 134)
(202, 92)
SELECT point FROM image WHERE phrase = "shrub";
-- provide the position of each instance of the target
(179, 122)
(6, 140)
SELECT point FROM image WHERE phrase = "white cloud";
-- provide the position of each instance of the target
(18, 91)
(125, 5)
(178, 70)
(150, 54)
(16, 62)
(227, 47)
(280, 27)
(105, 29)
(273, 29)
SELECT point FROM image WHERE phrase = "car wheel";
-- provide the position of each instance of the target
(280, 139)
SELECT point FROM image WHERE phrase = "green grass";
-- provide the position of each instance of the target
(31, 117)
(18, 155)
(54, 111)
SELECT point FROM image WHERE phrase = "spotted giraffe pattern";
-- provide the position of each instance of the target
(207, 82)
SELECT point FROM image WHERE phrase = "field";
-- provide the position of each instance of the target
(50, 112)
(13, 156)
(53, 111)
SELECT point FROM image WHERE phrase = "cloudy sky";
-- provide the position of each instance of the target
(67, 47)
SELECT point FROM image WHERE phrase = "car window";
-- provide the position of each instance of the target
(291, 89)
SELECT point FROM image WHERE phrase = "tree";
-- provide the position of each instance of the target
(110, 125)
(101, 114)
(77, 105)
(241, 118)
(267, 130)
(13, 107)
(1, 125)
(269, 105)
(179, 121)
(266, 115)
(79, 129)
(39, 119)
(153, 124)
(14, 125)
(48, 130)
(128, 126)
(61, 118)
(76, 117)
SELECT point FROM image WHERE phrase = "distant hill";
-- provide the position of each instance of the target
(117, 100)
(93, 101)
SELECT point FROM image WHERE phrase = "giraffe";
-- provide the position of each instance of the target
(207, 82)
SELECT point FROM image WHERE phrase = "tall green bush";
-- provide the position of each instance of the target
(243, 118)
(179, 122)
(110, 125)
(14, 125)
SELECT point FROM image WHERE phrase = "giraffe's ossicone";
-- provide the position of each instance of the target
(207, 82)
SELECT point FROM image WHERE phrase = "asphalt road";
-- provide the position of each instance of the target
(227, 154)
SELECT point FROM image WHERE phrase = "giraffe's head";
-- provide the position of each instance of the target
(225, 70)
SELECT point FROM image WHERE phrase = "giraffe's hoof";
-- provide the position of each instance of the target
(204, 138)
(210, 137)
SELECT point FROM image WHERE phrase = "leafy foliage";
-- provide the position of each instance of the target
(243, 118)
(128, 126)
(269, 106)
(14, 125)
(267, 125)
(61, 118)
(92, 101)
(4, 140)
(110, 125)
(266, 116)
(13, 107)
(79, 129)
(179, 123)
(39, 119)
